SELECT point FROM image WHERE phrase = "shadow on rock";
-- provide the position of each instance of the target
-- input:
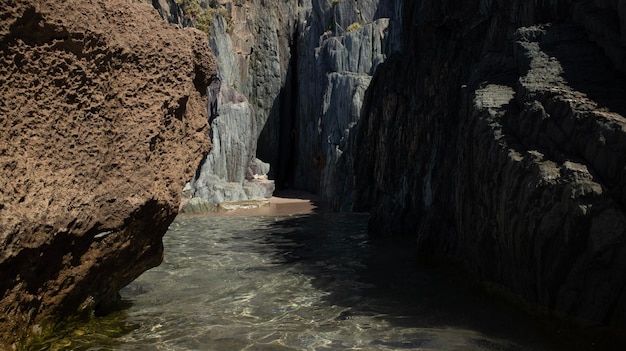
(383, 278)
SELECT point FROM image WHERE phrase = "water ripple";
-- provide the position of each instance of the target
(314, 282)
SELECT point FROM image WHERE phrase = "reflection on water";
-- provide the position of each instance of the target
(310, 282)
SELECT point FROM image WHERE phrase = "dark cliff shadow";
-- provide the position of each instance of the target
(383, 279)
(587, 69)
(277, 140)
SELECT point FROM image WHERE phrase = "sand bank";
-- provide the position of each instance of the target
(284, 203)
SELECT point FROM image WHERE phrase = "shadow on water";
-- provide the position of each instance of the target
(303, 282)
(383, 279)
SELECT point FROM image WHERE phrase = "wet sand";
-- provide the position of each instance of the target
(283, 203)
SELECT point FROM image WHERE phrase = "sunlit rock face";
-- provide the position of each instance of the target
(231, 172)
(502, 143)
(303, 68)
(250, 41)
(103, 121)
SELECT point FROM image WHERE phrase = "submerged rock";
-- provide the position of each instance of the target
(103, 121)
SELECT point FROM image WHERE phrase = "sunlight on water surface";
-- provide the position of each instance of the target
(309, 282)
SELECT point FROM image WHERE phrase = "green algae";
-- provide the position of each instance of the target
(101, 333)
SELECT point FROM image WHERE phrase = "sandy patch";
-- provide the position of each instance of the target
(284, 203)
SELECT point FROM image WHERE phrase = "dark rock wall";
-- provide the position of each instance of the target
(501, 142)
(98, 135)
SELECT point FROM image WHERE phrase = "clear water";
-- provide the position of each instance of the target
(309, 282)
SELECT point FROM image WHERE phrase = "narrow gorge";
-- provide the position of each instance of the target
(489, 133)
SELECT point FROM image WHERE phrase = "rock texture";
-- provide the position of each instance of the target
(254, 43)
(560, 155)
(232, 173)
(304, 68)
(169, 11)
(262, 34)
(492, 130)
(340, 45)
(503, 145)
(102, 121)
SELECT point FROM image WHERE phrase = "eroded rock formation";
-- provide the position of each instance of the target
(503, 144)
(246, 38)
(340, 45)
(492, 130)
(231, 172)
(304, 67)
(102, 121)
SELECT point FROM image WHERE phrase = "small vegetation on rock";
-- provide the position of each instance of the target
(354, 26)
(201, 13)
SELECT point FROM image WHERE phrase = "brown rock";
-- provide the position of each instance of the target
(102, 121)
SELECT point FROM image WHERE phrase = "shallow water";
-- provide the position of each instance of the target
(308, 282)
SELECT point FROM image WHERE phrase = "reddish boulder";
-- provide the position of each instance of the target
(102, 121)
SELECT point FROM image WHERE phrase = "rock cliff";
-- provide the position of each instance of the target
(502, 144)
(247, 38)
(230, 173)
(340, 45)
(102, 121)
(303, 67)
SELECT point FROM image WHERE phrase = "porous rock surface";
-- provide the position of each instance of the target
(503, 145)
(102, 121)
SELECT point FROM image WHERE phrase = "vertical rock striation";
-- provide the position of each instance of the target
(102, 121)
(231, 172)
(303, 67)
(262, 35)
(250, 40)
(340, 45)
(503, 144)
